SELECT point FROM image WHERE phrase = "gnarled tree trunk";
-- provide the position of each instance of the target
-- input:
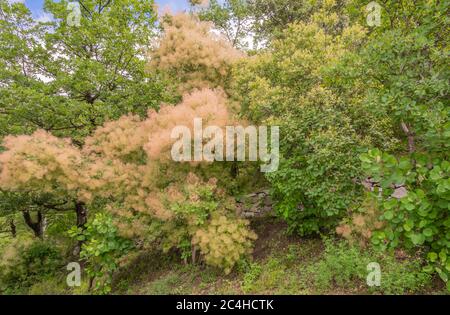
(38, 226)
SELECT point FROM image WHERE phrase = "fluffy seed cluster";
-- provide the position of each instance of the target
(117, 138)
(209, 105)
(193, 53)
(224, 241)
(40, 162)
(359, 226)
(126, 163)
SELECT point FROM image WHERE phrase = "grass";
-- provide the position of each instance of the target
(281, 264)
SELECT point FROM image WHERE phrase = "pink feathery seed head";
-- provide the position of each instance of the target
(190, 43)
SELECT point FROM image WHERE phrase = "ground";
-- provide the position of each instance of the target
(281, 264)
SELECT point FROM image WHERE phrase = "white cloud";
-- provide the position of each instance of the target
(44, 17)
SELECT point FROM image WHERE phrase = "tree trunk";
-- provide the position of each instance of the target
(234, 171)
(91, 283)
(81, 211)
(411, 142)
(194, 254)
(409, 133)
(38, 227)
(12, 226)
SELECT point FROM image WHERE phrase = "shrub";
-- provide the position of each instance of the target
(319, 144)
(192, 55)
(101, 249)
(414, 91)
(224, 241)
(38, 262)
(420, 218)
(205, 219)
(126, 169)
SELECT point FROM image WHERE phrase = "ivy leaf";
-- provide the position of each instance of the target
(443, 256)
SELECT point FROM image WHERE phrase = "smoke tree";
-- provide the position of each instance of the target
(192, 55)
(126, 166)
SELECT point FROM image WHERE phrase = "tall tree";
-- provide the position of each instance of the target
(69, 75)
(68, 78)
(231, 17)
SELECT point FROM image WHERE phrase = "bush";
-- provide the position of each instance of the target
(224, 241)
(420, 218)
(200, 216)
(102, 248)
(38, 262)
(414, 91)
(319, 142)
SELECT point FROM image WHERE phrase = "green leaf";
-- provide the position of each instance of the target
(388, 215)
(428, 232)
(442, 274)
(391, 203)
(432, 256)
(404, 164)
(409, 224)
(443, 256)
(417, 239)
(428, 269)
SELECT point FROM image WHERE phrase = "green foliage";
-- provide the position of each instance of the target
(272, 16)
(231, 17)
(250, 277)
(165, 285)
(272, 276)
(421, 218)
(35, 263)
(343, 266)
(205, 220)
(102, 248)
(402, 14)
(409, 80)
(351, 101)
(313, 186)
(75, 78)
